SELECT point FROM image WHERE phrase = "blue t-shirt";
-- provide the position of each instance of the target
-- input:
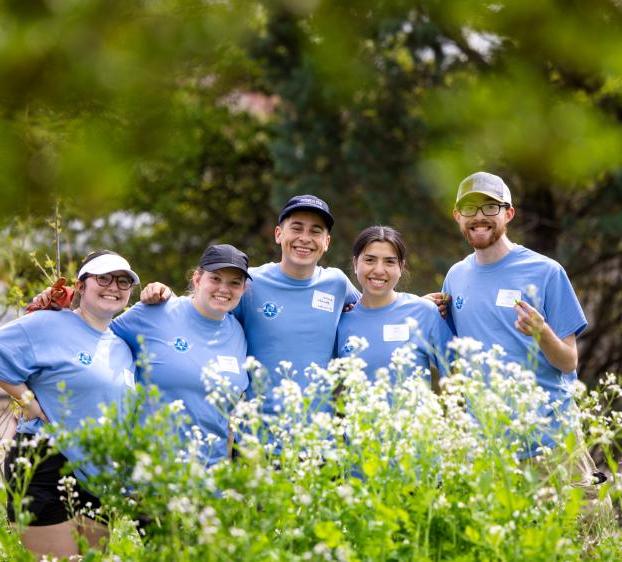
(47, 350)
(389, 327)
(179, 343)
(482, 307)
(293, 320)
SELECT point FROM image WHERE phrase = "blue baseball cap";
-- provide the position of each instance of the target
(309, 203)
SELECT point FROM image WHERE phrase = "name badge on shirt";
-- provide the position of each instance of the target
(395, 332)
(323, 301)
(229, 364)
(128, 376)
(508, 297)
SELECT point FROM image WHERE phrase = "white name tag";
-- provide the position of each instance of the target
(507, 297)
(323, 301)
(128, 376)
(395, 332)
(229, 364)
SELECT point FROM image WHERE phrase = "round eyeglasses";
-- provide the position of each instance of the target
(124, 282)
(488, 209)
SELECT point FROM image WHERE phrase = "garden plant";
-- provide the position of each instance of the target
(383, 470)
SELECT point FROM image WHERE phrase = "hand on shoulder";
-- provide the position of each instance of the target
(155, 293)
(441, 300)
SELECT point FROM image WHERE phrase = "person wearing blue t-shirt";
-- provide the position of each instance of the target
(290, 309)
(506, 294)
(189, 339)
(389, 320)
(60, 366)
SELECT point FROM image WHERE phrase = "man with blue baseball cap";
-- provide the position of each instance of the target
(291, 309)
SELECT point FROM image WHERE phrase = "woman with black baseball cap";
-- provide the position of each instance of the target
(190, 336)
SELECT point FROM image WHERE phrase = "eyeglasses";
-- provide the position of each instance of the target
(124, 282)
(488, 209)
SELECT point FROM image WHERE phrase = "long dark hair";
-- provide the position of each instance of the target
(380, 234)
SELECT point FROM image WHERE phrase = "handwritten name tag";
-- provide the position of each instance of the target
(323, 301)
(508, 297)
(395, 332)
(229, 364)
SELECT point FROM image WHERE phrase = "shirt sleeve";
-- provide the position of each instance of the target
(17, 358)
(449, 320)
(128, 325)
(352, 293)
(563, 312)
(441, 336)
(239, 311)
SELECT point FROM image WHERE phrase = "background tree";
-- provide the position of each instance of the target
(167, 125)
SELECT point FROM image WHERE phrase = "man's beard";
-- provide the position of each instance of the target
(480, 242)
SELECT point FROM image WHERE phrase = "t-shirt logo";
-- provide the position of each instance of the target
(181, 345)
(85, 358)
(270, 309)
(459, 302)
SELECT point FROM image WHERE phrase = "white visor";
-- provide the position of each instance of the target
(107, 263)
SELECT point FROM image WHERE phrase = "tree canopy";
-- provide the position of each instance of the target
(204, 117)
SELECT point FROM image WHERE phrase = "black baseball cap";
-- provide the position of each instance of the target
(220, 256)
(309, 203)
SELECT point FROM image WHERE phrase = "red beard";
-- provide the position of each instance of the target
(482, 240)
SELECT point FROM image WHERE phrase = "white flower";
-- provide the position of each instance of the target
(27, 397)
(356, 344)
(181, 505)
(531, 291)
(177, 406)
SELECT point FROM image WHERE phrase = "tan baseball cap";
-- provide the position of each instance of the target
(485, 184)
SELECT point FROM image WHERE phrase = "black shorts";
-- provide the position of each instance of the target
(45, 503)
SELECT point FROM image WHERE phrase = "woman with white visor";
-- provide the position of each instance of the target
(59, 366)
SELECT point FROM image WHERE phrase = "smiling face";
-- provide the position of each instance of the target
(304, 238)
(378, 270)
(100, 302)
(480, 231)
(217, 292)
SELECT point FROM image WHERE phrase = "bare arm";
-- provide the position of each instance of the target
(561, 353)
(26, 399)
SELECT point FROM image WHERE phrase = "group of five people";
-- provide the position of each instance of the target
(291, 311)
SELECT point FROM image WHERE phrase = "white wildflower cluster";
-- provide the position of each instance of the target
(181, 505)
(67, 487)
(285, 369)
(209, 524)
(27, 397)
(289, 395)
(144, 469)
(220, 392)
(384, 453)
(356, 344)
(177, 406)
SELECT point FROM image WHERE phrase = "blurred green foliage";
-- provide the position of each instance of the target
(208, 115)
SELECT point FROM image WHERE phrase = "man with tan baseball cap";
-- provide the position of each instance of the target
(506, 294)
